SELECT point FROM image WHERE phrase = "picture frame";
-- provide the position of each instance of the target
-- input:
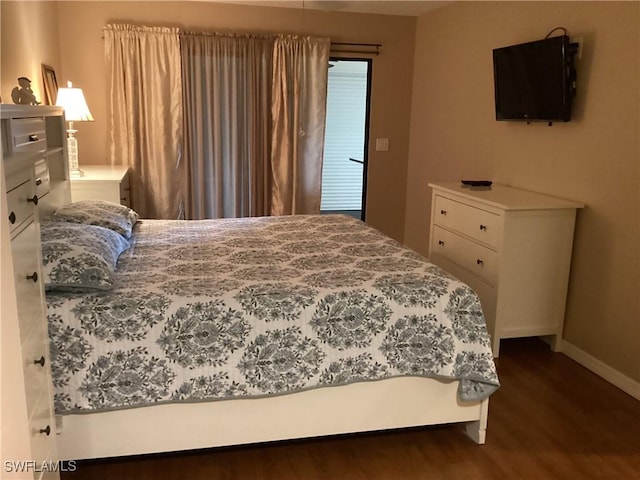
(50, 85)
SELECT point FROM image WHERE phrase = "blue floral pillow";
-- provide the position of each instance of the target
(78, 257)
(114, 216)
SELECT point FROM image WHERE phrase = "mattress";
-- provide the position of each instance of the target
(233, 308)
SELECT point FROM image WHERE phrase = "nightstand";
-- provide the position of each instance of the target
(102, 182)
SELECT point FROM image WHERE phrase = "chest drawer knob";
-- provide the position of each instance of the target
(443, 212)
(33, 276)
(12, 218)
(33, 137)
(440, 242)
(479, 262)
(483, 227)
(33, 199)
(46, 430)
(40, 361)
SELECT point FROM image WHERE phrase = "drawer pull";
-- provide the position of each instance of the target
(443, 212)
(33, 200)
(440, 242)
(33, 137)
(40, 361)
(46, 430)
(38, 181)
(479, 262)
(33, 277)
(12, 218)
(483, 227)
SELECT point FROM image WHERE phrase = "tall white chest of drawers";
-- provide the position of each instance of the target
(513, 247)
(35, 177)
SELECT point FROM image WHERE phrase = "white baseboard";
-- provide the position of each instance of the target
(624, 383)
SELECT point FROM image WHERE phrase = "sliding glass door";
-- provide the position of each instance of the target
(346, 137)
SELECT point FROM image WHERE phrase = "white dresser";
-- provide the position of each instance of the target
(101, 182)
(35, 177)
(513, 247)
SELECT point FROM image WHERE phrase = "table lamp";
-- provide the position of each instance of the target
(75, 110)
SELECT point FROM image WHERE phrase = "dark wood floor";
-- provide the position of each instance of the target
(551, 419)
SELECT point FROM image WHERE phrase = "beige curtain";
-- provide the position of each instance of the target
(144, 84)
(299, 91)
(227, 100)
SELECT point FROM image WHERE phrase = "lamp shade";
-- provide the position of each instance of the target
(74, 104)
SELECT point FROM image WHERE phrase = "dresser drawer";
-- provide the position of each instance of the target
(472, 256)
(125, 191)
(18, 205)
(476, 223)
(42, 445)
(35, 367)
(24, 248)
(42, 178)
(487, 293)
(28, 135)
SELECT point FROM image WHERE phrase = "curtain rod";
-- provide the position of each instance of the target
(377, 45)
(191, 32)
(356, 52)
(368, 48)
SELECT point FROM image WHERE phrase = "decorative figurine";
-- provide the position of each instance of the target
(24, 95)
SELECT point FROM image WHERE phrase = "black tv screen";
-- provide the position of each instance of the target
(535, 81)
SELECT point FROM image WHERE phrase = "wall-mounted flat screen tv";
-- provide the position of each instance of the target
(535, 81)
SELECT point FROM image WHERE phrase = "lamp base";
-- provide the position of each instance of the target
(72, 150)
(75, 173)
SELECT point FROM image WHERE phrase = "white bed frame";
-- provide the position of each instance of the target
(362, 407)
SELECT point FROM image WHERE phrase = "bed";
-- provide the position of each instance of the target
(234, 331)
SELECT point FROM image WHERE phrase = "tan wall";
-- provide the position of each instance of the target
(29, 38)
(593, 159)
(82, 55)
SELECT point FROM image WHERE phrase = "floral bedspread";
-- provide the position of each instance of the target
(213, 309)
